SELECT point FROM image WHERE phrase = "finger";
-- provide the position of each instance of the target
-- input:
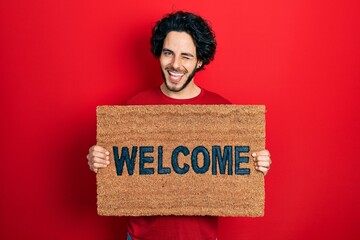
(100, 155)
(93, 169)
(262, 169)
(263, 158)
(262, 164)
(99, 149)
(99, 165)
(94, 160)
(261, 153)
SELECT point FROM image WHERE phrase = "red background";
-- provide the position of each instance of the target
(60, 59)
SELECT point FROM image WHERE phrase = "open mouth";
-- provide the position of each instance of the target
(175, 76)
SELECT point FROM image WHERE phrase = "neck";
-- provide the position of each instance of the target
(190, 91)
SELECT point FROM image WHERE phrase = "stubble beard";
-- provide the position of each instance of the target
(190, 78)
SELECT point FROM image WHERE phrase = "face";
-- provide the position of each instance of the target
(178, 61)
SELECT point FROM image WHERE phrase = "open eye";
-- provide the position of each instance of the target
(167, 53)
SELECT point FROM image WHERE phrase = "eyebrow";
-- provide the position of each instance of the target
(183, 54)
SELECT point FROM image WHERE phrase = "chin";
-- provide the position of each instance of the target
(173, 89)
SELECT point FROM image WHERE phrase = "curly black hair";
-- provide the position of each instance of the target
(198, 28)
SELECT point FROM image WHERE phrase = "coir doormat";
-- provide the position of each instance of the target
(181, 160)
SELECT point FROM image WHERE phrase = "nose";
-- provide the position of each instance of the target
(176, 62)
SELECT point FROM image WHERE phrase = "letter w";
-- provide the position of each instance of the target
(130, 161)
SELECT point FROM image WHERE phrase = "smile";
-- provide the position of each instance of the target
(174, 76)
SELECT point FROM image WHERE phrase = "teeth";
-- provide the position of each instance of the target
(176, 74)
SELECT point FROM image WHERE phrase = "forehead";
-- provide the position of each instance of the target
(179, 41)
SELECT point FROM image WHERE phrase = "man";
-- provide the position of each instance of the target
(184, 43)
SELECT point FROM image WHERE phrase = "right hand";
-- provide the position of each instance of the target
(98, 157)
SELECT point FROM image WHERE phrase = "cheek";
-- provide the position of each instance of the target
(190, 67)
(164, 63)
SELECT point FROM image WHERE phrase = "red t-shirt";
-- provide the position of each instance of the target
(173, 227)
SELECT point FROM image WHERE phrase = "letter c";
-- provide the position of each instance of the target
(175, 162)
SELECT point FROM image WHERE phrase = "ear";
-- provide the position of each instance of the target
(199, 64)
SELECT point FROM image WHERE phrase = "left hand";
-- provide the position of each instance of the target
(262, 161)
